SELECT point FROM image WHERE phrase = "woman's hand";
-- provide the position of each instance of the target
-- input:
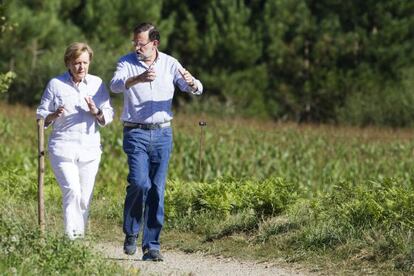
(94, 110)
(92, 106)
(53, 116)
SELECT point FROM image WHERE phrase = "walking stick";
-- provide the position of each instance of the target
(202, 124)
(41, 174)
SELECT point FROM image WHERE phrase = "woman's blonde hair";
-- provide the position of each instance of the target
(74, 50)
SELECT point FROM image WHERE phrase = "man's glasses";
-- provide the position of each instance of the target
(140, 45)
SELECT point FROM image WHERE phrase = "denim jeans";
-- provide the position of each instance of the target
(148, 154)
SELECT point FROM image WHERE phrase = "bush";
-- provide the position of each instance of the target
(225, 196)
(373, 103)
(24, 250)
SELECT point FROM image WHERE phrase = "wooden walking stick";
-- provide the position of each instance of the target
(202, 124)
(41, 174)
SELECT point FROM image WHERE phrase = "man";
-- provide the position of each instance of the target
(147, 78)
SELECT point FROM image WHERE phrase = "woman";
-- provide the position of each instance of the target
(77, 104)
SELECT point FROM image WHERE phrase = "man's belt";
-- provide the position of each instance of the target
(146, 126)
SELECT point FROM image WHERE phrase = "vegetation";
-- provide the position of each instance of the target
(25, 252)
(7, 78)
(319, 195)
(299, 60)
(338, 198)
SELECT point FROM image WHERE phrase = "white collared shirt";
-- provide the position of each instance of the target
(76, 133)
(149, 102)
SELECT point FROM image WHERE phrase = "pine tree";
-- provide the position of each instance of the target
(5, 26)
(34, 50)
(232, 50)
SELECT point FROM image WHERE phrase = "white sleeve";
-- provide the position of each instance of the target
(119, 79)
(47, 103)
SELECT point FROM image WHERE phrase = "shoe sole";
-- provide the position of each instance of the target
(129, 252)
(153, 260)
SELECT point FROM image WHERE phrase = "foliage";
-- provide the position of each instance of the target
(297, 60)
(45, 34)
(379, 105)
(25, 251)
(226, 196)
(384, 203)
(5, 26)
(6, 80)
(343, 193)
(374, 220)
(350, 210)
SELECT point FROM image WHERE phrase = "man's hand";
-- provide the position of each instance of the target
(148, 76)
(188, 78)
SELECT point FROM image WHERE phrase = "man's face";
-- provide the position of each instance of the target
(144, 48)
(79, 67)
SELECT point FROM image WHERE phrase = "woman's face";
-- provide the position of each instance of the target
(79, 67)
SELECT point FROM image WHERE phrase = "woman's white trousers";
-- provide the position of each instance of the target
(76, 180)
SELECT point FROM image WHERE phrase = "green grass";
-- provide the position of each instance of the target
(337, 199)
(25, 251)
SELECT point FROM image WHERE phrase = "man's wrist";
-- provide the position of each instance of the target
(193, 83)
(132, 81)
(193, 86)
(99, 113)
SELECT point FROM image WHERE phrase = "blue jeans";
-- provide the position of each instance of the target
(148, 154)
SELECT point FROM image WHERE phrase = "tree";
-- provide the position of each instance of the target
(302, 60)
(288, 29)
(321, 53)
(231, 56)
(374, 59)
(38, 40)
(5, 26)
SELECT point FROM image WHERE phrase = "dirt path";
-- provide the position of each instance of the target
(179, 263)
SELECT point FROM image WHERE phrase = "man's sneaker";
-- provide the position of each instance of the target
(130, 244)
(152, 255)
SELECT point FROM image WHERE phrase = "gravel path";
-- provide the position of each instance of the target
(179, 263)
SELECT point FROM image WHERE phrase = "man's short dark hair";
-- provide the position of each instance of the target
(153, 33)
